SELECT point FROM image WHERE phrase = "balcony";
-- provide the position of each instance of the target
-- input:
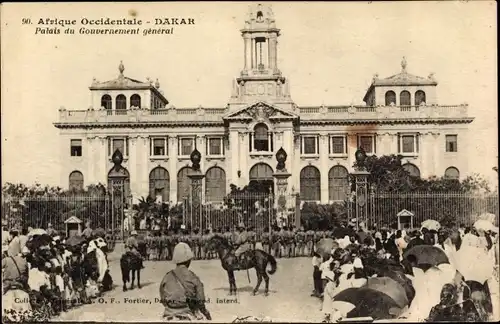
(369, 113)
(200, 115)
(164, 116)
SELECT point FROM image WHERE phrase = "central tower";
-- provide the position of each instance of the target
(260, 79)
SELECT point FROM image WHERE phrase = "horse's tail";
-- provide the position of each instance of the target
(273, 263)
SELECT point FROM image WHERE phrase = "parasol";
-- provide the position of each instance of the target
(431, 224)
(427, 255)
(325, 246)
(75, 240)
(389, 287)
(369, 303)
(37, 231)
(487, 217)
(474, 263)
(485, 225)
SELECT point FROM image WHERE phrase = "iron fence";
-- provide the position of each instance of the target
(447, 208)
(257, 210)
(38, 212)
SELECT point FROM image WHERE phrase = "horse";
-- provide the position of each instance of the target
(257, 259)
(130, 263)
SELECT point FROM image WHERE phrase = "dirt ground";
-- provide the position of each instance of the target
(289, 298)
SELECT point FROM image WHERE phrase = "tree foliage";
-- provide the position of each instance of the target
(148, 208)
(387, 174)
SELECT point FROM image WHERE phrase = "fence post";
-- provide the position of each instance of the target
(297, 211)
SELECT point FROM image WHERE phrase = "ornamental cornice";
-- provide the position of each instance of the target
(171, 124)
(348, 122)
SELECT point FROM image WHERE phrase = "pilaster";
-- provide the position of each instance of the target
(243, 156)
(89, 154)
(172, 166)
(235, 160)
(323, 161)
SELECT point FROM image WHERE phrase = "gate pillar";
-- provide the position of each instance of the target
(116, 179)
(281, 175)
(196, 177)
(361, 192)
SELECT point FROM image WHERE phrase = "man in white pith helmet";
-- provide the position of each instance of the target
(181, 291)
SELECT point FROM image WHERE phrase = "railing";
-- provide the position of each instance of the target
(306, 113)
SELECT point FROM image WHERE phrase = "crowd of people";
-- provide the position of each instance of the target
(44, 273)
(441, 274)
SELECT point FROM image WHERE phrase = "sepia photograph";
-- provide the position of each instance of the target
(319, 162)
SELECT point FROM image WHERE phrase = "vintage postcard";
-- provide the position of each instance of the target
(249, 161)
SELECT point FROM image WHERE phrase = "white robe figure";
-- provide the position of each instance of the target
(428, 288)
(102, 263)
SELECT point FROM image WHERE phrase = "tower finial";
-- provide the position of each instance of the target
(157, 84)
(121, 67)
(403, 64)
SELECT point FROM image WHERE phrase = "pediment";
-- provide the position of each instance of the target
(73, 220)
(260, 111)
(405, 213)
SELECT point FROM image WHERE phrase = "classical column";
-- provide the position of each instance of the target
(272, 52)
(323, 162)
(252, 53)
(247, 55)
(172, 167)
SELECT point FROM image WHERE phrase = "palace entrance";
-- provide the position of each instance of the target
(261, 176)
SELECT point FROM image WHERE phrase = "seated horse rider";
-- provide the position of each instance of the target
(15, 271)
(132, 245)
(242, 245)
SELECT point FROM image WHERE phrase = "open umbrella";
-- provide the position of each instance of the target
(427, 255)
(485, 225)
(431, 224)
(37, 231)
(389, 287)
(369, 302)
(474, 263)
(325, 247)
(487, 217)
(75, 240)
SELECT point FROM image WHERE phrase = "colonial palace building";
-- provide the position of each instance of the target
(238, 142)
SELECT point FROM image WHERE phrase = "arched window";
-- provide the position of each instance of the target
(118, 186)
(159, 184)
(262, 141)
(106, 102)
(310, 186)
(215, 184)
(135, 101)
(405, 98)
(263, 175)
(338, 183)
(390, 98)
(452, 173)
(183, 184)
(121, 104)
(419, 98)
(412, 169)
(76, 181)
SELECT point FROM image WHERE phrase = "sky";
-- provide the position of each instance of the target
(329, 51)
